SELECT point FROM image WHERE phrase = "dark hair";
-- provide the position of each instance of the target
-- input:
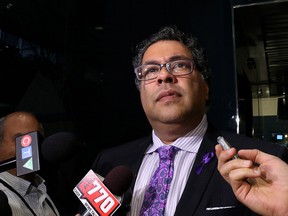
(172, 33)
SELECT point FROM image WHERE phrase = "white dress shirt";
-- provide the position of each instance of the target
(183, 163)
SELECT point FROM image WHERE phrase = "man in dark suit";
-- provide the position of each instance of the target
(172, 76)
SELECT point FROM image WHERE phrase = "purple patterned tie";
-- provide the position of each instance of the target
(158, 188)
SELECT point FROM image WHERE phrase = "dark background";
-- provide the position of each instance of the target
(89, 86)
(79, 77)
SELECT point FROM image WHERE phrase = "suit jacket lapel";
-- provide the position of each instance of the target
(138, 154)
(197, 183)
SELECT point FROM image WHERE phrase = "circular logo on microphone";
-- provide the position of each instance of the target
(26, 140)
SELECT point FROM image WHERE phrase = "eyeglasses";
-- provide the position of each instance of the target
(151, 71)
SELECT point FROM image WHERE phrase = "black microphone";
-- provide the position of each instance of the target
(99, 199)
(60, 147)
(118, 180)
(4, 205)
(56, 148)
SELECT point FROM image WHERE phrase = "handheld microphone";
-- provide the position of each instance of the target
(103, 198)
(60, 147)
(4, 205)
(55, 149)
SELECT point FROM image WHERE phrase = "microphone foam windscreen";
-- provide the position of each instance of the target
(59, 147)
(118, 180)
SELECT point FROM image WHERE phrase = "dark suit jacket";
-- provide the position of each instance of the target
(206, 190)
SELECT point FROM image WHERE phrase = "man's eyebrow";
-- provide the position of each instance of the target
(172, 58)
(179, 57)
(151, 62)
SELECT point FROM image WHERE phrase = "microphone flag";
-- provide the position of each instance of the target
(27, 153)
(95, 196)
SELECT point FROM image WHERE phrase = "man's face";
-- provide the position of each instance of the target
(170, 99)
(15, 125)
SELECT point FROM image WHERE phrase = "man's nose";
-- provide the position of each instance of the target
(164, 75)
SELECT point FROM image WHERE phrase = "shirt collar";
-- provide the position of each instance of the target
(22, 186)
(184, 143)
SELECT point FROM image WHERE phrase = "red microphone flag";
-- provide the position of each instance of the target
(95, 196)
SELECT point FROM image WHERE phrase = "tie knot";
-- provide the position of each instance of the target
(167, 152)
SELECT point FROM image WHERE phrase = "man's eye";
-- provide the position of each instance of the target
(180, 65)
(151, 69)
